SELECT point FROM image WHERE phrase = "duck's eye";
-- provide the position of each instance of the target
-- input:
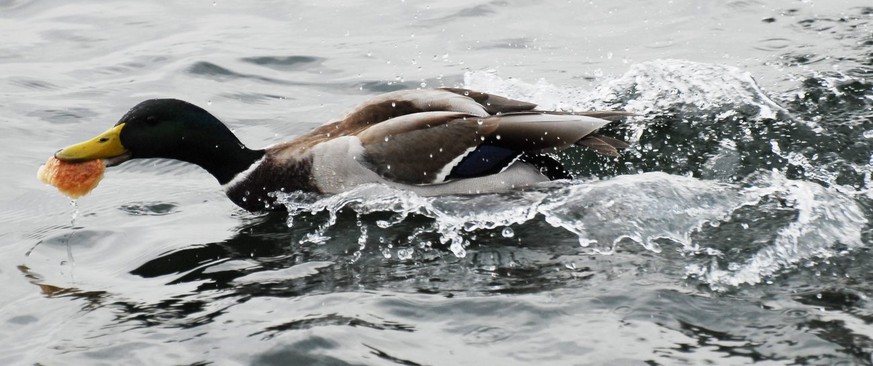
(152, 120)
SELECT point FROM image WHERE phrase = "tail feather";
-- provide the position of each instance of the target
(607, 115)
(602, 144)
(542, 132)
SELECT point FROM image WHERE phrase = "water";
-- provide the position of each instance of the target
(736, 230)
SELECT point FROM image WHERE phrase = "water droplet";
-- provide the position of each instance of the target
(405, 254)
(393, 105)
(497, 137)
(362, 240)
(507, 232)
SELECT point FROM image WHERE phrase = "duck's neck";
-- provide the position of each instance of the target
(226, 165)
(215, 148)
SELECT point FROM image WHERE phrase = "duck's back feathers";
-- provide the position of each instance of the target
(407, 102)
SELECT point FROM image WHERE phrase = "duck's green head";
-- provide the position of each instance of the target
(171, 129)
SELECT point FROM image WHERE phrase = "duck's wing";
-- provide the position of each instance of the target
(404, 102)
(434, 147)
(417, 148)
(493, 104)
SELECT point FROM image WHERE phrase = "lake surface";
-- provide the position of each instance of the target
(736, 230)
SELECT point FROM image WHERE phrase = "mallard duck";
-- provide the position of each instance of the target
(432, 142)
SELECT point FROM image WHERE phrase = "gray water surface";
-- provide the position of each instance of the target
(736, 230)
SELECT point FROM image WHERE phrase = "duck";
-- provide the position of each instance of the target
(447, 141)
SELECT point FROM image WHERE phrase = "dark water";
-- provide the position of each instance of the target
(735, 231)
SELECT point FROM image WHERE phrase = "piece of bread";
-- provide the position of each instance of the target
(72, 179)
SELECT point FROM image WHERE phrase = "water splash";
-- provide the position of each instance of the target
(700, 89)
(455, 215)
(795, 221)
(648, 210)
(653, 87)
(826, 224)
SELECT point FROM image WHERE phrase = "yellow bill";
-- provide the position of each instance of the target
(104, 146)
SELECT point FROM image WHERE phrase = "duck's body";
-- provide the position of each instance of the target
(433, 142)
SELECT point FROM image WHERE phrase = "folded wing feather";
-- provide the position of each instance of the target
(423, 148)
